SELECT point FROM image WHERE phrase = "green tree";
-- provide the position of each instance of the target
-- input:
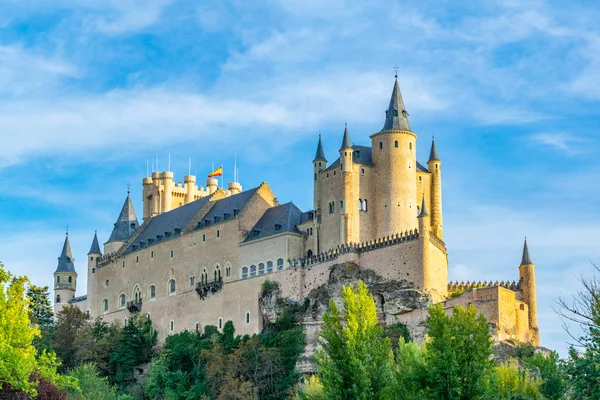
(411, 372)
(94, 343)
(17, 354)
(136, 347)
(510, 382)
(458, 353)
(40, 314)
(356, 360)
(552, 371)
(69, 321)
(91, 385)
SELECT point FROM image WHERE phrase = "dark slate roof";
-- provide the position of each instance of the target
(396, 117)
(433, 155)
(227, 208)
(346, 140)
(276, 220)
(320, 156)
(78, 299)
(95, 249)
(361, 155)
(421, 167)
(306, 216)
(423, 212)
(126, 224)
(166, 225)
(66, 263)
(526, 259)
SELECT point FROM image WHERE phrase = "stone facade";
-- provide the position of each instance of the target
(201, 255)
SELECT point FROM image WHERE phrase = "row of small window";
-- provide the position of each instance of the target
(252, 271)
(362, 205)
(395, 141)
(309, 231)
(219, 323)
(69, 279)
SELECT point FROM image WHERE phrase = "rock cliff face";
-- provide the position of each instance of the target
(392, 299)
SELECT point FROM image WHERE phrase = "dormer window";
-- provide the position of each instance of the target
(150, 241)
(206, 222)
(158, 238)
(277, 227)
(395, 113)
(132, 225)
(225, 215)
(167, 234)
(177, 231)
(235, 212)
(216, 219)
(311, 215)
(256, 232)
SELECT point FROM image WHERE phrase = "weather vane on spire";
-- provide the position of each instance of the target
(396, 69)
(67, 229)
(128, 188)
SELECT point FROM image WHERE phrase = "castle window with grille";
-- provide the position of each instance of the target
(105, 305)
(396, 144)
(261, 269)
(279, 264)
(253, 270)
(172, 287)
(269, 267)
(122, 300)
(245, 273)
(152, 292)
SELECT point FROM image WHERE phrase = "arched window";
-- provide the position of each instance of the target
(228, 270)
(261, 269)
(360, 206)
(137, 294)
(122, 301)
(172, 287)
(58, 298)
(70, 279)
(204, 276)
(269, 267)
(253, 270)
(309, 254)
(58, 279)
(279, 264)
(217, 272)
(248, 317)
(192, 281)
(365, 205)
(105, 305)
(244, 272)
(152, 292)
(396, 144)
(410, 146)
(172, 326)
(220, 323)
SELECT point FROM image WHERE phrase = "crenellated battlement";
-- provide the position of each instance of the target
(462, 286)
(368, 245)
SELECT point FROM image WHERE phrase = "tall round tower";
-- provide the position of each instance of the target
(65, 278)
(319, 164)
(94, 256)
(394, 170)
(527, 278)
(346, 191)
(434, 165)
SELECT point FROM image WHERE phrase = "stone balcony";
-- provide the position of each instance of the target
(204, 289)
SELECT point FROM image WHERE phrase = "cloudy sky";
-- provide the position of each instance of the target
(91, 90)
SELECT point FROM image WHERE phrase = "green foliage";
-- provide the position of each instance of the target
(94, 343)
(310, 389)
(511, 382)
(40, 314)
(91, 385)
(356, 360)
(267, 287)
(411, 371)
(458, 354)
(17, 354)
(552, 372)
(136, 347)
(584, 369)
(69, 321)
(396, 332)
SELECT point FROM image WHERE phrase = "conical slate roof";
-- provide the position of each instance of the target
(126, 224)
(526, 258)
(346, 139)
(320, 156)
(433, 155)
(396, 117)
(66, 263)
(95, 249)
(423, 212)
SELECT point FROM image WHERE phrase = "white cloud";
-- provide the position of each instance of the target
(564, 142)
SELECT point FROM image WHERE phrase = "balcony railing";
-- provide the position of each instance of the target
(204, 289)
(134, 306)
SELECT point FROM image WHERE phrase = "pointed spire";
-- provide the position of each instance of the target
(126, 224)
(396, 117)
(526, 260)
(66, 261)
(95, 249)
(423, 212)
(433, 154)
(320, 156)
(346, 139)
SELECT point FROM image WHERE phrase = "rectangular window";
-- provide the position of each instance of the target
(203, 238)
(218, 233)
(152, 254)
(172, 254)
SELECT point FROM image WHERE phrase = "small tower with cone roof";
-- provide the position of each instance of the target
(347, 234)
(434, 165)
(65, 277)
(126, 225)
(394, 161)
(94, 256)
(527, 279)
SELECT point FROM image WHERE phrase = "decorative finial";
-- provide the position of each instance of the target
(128, 188)
(67, 229)
(319, 134)
(396, 69)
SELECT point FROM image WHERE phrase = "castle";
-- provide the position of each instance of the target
(201, 254)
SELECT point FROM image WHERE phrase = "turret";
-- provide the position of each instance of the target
(65, 278)
(394, 170)
(319, 164)
(190, 188)
(211, 185)
(435, 167)
(155, 204)
(167, 192)
(234, 187)
(527, 278)
(126, 224)
(424, 232)
(147, 198)
(347, 190)
(94, 256)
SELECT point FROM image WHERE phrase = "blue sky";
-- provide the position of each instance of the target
(90, 90)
